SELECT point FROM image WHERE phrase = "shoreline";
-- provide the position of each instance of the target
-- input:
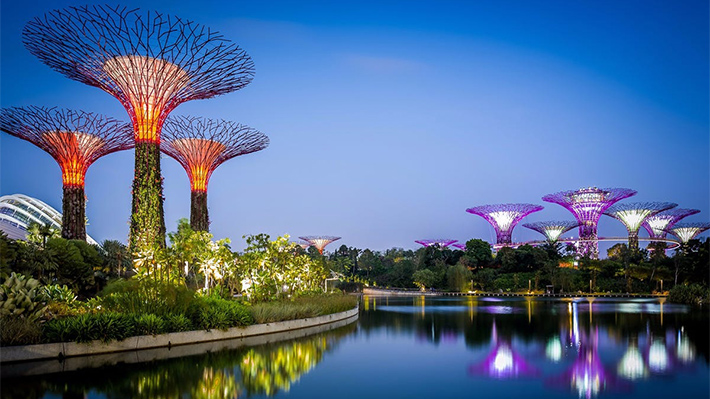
(396, 292)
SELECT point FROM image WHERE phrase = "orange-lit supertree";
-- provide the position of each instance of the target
(200, 145)
(75, 139)
(151, 63)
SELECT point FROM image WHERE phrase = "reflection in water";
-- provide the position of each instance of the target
(632, 365)
(502, 362)
(228, 374)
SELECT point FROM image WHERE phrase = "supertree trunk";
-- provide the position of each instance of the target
(147, 220)
(73, 213)
(634, 241)
(199, 217)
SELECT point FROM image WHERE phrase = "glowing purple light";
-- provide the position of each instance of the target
(658, 224)
(632, 214)
(552, 230)
(587, 205)
(438, 242)
(687, 231)
(504, 217)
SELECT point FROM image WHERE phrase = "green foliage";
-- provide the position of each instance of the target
(22, 297)
(213, 312)
(424, 278)
(459, 278)
(693, 294)
(90, 326)
(146, 296)
(148, 324)
(275, 269)
(147, 230)
(477, 254)
(302, 307)
(177, 323)
(19, 331)
(484, 279)
(60, 293)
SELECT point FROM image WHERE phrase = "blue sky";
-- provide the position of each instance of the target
(388, 119)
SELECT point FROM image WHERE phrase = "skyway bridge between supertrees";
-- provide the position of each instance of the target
(633, 214)
(437, 242)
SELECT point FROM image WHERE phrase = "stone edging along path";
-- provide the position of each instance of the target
(61, 350)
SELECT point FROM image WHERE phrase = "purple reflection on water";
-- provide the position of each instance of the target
(502, 362)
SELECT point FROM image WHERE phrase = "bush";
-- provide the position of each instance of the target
(148, 324)
(19, 331)
(146, 297)
(693, 294)
(60, 293)
(349, 286)
(302, 307)
(90, 326)
(177, 323)
(214, 312)
(22, 297)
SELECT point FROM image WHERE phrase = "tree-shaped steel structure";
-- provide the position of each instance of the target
(504, 217)
(587, 205)
(658, 224)
(437, 242)
(200, 145)
(151, 63)
(632, 214)
(75, 139)
(459, 245)
(320, 242)
(553, 229)
(687, 231)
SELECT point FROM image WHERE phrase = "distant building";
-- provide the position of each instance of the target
(17, 211)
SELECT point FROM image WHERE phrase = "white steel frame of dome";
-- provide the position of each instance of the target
(33, 210)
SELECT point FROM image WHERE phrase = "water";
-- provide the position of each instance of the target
(416, 347)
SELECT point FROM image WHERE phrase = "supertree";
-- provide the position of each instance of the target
(200, 145)
(552, 230)
(687, 231)
(587, 205)
(438, 242)
(320, 242)
(75, 139)
(658, 224)
(504, 217)
(459, 245)
(151, 63)
(632, 214)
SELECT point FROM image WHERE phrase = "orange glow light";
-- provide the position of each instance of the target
(73, 153)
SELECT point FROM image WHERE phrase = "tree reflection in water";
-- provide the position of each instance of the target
(228, 374)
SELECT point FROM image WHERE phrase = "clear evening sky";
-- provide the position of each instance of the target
(388, 119)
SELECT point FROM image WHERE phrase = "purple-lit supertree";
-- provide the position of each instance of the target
(658, 224)
(504, 217)
(459, 245)
(687, 231)
(552, 230)
(151, 62)
(320, 242)
(632, 214)
(437, 242)
(587, 205)
(75, 139)
(200, 145)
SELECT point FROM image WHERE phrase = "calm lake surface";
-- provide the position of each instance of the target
(417, 347)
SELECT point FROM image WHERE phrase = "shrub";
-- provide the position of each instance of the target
(23, 297)
(19, 331)
(216, 313)
(148, 324)
(693, 294)
(146, 296)
(302, 307)
(60, 293)
(90, 326)
(177, 323)
(349, 286)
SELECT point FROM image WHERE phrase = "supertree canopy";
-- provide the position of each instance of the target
(438, 242)
(658, 224)
(552, 230)
(151, 63)
(587, 205)
(632, 214)
(320, 242)
(200, 146)
(75, 139)
(687, 231)
(459, 245)
(504, 217)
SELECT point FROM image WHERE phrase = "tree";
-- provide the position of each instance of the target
(459, 278)
(116, 258)
(424, 278)
(477, 254)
